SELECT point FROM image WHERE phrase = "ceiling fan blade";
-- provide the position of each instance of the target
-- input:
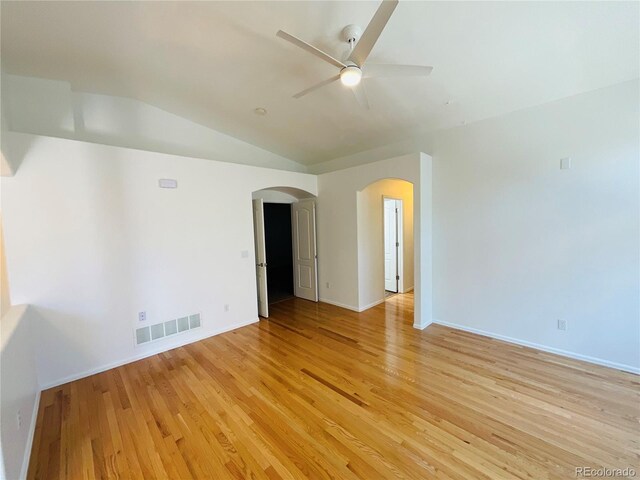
(310, 48)
(379, 70)
(361, 96)
(372, 32)
(316, 86)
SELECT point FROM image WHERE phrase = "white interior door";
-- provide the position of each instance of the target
(261, 257)
(305, 270)
(390, 245)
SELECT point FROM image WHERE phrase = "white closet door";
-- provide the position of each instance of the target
(305, 263)
(390, 246)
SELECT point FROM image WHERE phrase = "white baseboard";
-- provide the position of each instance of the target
(149, 353)
(421, 326)
(350, 307)
(338, 304)
(371, 305)
(30, 436)
(544, 348)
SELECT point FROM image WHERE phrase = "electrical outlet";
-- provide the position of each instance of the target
(226, 307)
(562, 325)
(19, 419)
(142, 316)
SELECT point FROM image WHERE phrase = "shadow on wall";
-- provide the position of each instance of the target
(370, 211)
(12, 154)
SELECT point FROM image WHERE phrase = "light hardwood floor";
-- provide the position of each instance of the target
(321, 392)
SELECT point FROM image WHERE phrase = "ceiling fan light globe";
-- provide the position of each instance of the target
(350, 76)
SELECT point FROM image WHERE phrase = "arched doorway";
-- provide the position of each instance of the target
(338, 230)
(385, 213)
(285, 245)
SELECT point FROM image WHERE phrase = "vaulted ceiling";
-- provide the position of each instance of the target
(215, 62)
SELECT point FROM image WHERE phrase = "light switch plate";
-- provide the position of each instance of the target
(168, 183)
(565, 163)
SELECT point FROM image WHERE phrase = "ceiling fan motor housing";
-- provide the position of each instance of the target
(351, 34)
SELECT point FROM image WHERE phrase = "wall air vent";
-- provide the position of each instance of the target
(157, 331)
(170, 327)
(183, 324)
(194, 320)
(143, 335)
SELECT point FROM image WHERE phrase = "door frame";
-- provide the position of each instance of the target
(304, 196)
(400, 240)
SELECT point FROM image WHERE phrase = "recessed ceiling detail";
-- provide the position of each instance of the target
(213, 62)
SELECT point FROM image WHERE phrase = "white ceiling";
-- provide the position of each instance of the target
(215, 62)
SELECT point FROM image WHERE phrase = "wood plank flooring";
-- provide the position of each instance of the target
(321, 392)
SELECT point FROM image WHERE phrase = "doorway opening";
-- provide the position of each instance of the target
(285, 246)
(279, 251)
(385, 241)
(393, 243)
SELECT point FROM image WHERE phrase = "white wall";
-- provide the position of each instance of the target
(339, 235)
(48, 107)
(91, 241)
(19, 390)
(519, 243)
(371, 241)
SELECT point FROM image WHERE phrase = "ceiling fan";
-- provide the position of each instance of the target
(353, 69)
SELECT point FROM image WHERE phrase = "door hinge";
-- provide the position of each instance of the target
(397, 277)
(397, 244)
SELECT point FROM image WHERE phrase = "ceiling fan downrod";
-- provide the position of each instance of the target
(351, 34)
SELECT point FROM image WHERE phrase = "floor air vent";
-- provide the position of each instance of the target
(157, 331)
